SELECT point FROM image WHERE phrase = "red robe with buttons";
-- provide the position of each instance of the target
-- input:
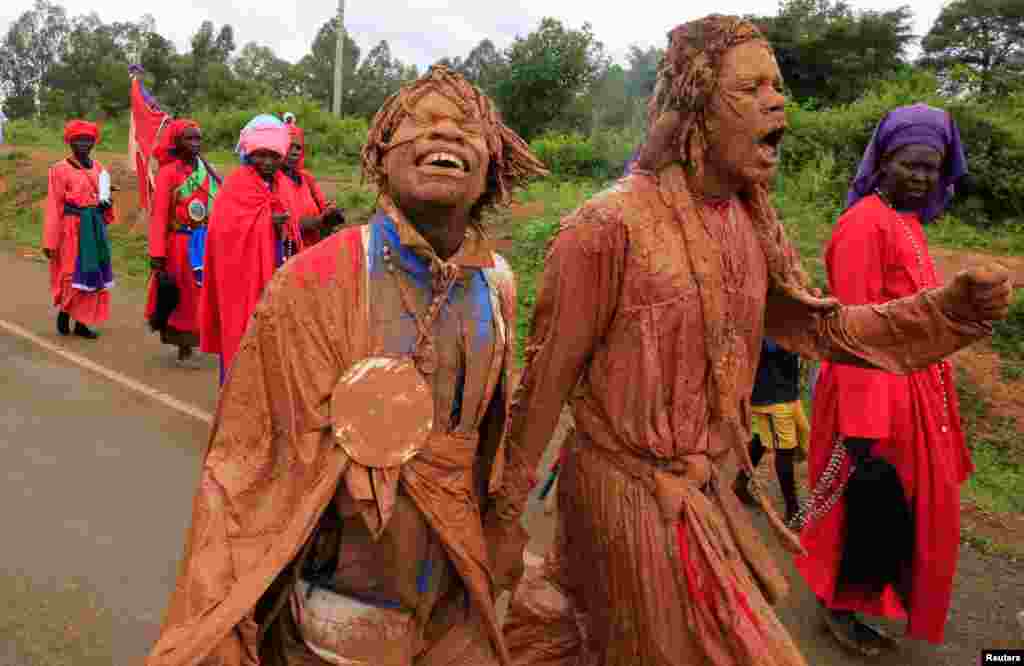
(876, 255)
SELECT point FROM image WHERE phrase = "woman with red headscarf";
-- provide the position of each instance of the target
(186, 187)
(78, 210)
(317, 216)
(254, 229)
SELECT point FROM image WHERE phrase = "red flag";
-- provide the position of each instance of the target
(148, 121)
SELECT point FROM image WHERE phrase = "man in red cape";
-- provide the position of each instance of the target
(252, 232)
(75, 237)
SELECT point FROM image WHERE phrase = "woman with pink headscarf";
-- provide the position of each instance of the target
(253, 231)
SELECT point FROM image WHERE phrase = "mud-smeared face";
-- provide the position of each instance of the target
(439, 157)
(747, 117)
(190, 142)
(910, 175)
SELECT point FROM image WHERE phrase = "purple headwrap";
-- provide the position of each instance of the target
(918, 124)
(630, 163)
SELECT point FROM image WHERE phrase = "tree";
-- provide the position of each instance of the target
(207, 79)
(484, 66)
(830, 54)
(643, 71)
(546, 71)
(978, 45)
(160, 60)
(30, 48)
(379, 75)
(273, 77)
(316, 69)
(90, 73)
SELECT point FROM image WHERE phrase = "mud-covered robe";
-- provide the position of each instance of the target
(273, 465)
(673, 572)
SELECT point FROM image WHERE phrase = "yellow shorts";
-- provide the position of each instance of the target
(782, 426)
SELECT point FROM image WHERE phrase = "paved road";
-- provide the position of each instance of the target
(95, 500)
(99, 482)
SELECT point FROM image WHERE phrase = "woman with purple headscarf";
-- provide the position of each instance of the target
(888, 547)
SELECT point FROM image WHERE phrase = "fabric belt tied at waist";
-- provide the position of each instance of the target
(77, 211)
(691, 483)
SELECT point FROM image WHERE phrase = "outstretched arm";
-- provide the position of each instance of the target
(900, 335)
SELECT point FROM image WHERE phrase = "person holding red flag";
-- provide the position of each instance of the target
(317, 216)
(78, 210)
(185, 190)
(253, 230)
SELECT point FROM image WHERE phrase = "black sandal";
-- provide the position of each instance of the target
(741, 486)
(64, 323)
(83, 331)
(853, 634)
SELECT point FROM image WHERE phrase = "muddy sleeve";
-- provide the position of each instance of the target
(899, 336)
(576, 299)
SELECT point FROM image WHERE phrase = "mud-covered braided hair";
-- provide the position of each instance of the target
(511, 162)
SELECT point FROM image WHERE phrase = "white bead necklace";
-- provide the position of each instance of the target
(939, 367)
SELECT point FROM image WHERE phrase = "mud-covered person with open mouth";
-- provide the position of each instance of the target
(347, 506)
(654, 300)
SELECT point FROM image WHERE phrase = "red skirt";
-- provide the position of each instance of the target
(185, 318)
(932, 464)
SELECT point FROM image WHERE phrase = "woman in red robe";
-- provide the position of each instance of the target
(909, 424)
(78, 210)
(253, 230)
(186, 188)
(317, 216)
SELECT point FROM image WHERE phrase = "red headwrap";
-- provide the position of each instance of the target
(164, 152)
(299, 137)
(77, 128)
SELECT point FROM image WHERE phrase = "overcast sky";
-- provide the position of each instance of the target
(422, 31)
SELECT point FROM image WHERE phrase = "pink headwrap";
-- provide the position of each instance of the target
(264, 133)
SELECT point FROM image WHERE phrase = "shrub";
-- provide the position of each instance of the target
(993, 138)
(326, 135)
(601, 155)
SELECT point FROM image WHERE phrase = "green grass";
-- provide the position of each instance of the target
(21, 224)
(998, 480)
(1008, 340)
(530, 238)
(951, 231)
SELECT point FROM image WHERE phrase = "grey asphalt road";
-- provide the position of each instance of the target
(94, 503)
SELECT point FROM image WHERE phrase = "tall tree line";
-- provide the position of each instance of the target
(557, 77)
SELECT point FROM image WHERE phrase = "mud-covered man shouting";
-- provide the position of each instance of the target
(345, 507)
(654, 300)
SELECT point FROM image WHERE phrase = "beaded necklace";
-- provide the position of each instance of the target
(941, 366)
(445, 276)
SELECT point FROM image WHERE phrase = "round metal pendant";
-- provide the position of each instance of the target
(382, 411)
(197, 210)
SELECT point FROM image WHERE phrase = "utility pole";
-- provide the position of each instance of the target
(339, 59)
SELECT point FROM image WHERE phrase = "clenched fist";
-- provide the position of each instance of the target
(982, 293)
